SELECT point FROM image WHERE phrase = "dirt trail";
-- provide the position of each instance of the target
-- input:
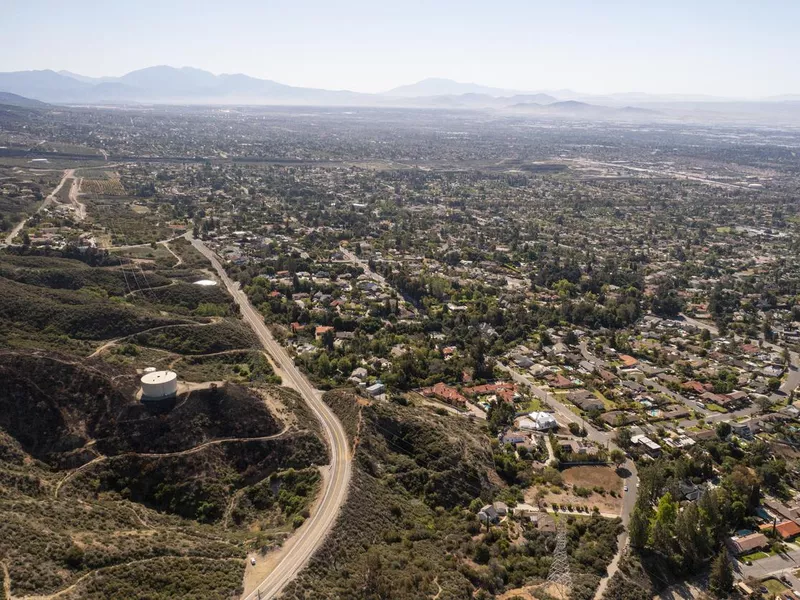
(93, 573)
(6, 582)
(186, 452)
(104, 347)
(74, 190)
(229, 509)
(171, 251)
(115, 341)
(439, 593)
(210, 354)
(72, 474)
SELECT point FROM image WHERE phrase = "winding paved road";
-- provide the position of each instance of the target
(313, 532)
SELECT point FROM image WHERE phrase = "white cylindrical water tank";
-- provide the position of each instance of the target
(150, 370)
(159, 384)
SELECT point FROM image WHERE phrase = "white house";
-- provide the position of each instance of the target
(538, 421)
(376, 389)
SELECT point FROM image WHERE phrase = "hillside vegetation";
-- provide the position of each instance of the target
(101, 498)
(93, 484)
(409, 528)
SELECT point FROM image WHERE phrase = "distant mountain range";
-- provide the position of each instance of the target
(9, 99)
(163, 85)
(187, 85)
(446, 87)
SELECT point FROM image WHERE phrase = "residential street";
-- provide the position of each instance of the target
(604, 439)
(768, 566)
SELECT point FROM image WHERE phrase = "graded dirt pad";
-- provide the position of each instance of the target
(537, 592)
(590, 476)
(523, 593)
(587, 476)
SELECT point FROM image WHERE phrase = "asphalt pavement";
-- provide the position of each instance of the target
(312, 534)
(604, 439)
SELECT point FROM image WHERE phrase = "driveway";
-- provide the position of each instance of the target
(772, 565)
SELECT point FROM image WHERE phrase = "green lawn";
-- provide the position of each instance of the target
(774, 586)
(531, 405)
(754, 556)
(715, 408)
(609, 405)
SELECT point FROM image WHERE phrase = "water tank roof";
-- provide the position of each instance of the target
(159, 377)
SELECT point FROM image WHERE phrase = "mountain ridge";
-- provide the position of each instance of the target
(9, 99)
(439, 86)
(164, 84)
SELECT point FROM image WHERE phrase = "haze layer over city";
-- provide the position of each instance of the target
(399, 301)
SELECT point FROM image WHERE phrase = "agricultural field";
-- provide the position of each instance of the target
(100, 183)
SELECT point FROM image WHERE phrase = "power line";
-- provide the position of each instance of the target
(560, 576)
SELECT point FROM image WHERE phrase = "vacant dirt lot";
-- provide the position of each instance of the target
(590, 476)
(587, 477)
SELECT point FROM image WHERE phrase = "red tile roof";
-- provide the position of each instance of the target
(696, 386)
(444, 392)
(503, 390)
(559, 381)
(788, 529)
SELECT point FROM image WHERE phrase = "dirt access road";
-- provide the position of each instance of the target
(299, 548)
(69, 173)
(77, 205)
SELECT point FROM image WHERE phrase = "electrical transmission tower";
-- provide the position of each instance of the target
(559, 579)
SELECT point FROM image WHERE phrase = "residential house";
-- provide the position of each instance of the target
(690, 491)
(515, 437)
(524, 510)
(559, 382)
(787, 530)
(743, 430)
(651, 447)
(745, 544)
(322, 330)
(376, 389)
(543, 522)
(538, 421)
(585, 400)
(445, 393)
(488, 514)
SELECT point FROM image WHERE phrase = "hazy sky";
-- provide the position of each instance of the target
(729, 47)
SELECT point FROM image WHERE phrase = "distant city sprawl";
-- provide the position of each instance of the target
(410, 352)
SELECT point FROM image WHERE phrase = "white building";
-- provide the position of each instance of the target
(376, 389)
(538, 421)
